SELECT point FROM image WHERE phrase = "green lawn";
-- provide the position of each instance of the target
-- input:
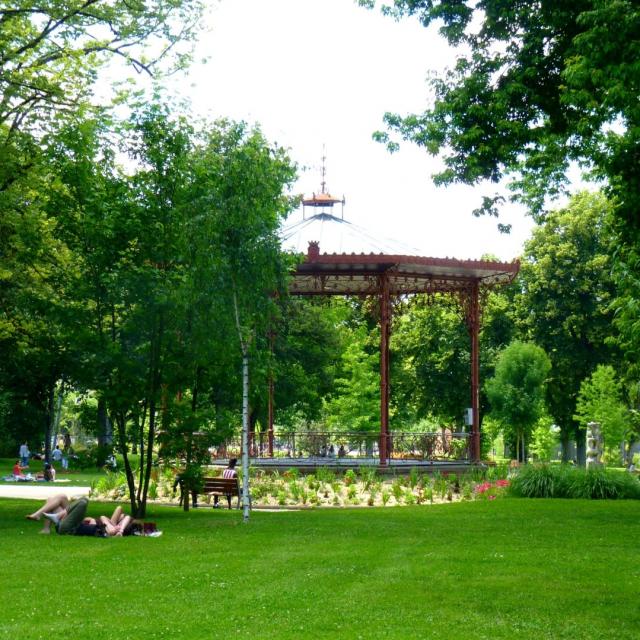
(78, 478)
(502, 569)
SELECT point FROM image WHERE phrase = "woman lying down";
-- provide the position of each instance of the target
(69, 518)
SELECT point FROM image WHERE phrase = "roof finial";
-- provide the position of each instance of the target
(324, 198)
(323, 183)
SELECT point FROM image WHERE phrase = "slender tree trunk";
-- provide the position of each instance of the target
(245, 436)
(49, 420)
(56, 422)
(155, 386)
(105, 430)
(131, 483)
(244, 346)
(564, 442)
(581, 448)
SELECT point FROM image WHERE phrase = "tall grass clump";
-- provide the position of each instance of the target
(601, 484)
(562, 481)
(537, 481)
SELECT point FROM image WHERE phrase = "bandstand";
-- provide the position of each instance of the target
(386, 276)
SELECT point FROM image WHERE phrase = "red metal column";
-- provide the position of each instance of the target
(384, 368)
(270, 410)
(474, 328)
(270, 399)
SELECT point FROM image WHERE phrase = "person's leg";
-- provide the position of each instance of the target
(109, 528)
(75, 515)
(229, 499)
(117, 515)
(124, 524)
(52, 505)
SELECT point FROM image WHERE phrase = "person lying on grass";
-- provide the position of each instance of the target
(69, 518)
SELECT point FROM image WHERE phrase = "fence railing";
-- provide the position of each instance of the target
(443, 445)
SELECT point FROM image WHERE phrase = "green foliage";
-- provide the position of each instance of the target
(355, 405)
(367, 476)
(413, 477)
(601, 400)
(563, 481)
(565, 300)
(52, 51)
(516, 392)
(397, 490)
(543, 440)
(350, 477)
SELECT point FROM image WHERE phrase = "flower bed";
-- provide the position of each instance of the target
(326, 488)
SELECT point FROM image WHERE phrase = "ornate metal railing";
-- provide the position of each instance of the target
(442, 445)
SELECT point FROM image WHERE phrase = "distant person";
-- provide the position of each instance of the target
(17, 470)
(111, 463)
(24, 454)
(56, 455)
(49, 473)
(342, 451)
(229, 472)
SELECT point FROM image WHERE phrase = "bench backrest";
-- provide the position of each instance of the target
(226, 486)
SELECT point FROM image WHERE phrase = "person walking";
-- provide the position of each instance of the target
(56, 454)
(24, 454)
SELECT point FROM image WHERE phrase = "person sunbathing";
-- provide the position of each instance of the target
(118, 524)
(69, 518)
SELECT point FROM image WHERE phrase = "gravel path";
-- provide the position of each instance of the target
(40, 490)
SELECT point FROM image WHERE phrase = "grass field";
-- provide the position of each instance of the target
(80, 478)
(502, 569)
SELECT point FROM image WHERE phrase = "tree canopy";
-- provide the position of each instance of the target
(535, 86)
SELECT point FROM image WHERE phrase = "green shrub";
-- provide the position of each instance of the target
(563, 481)
(350, 477)
(397, 490)
(367, 476)
(536, 481)
(326, 475)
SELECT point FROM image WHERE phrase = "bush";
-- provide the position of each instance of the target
(562, 481)
(536, 481)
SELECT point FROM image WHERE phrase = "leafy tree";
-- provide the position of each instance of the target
(601, 400)
(543, 439)
(565, 301)
(516, 392)
(535, 86)
(430, 361)
(355, 404)
(307, 349)
(50, 51)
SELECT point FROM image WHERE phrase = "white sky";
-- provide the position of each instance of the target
(323, 72)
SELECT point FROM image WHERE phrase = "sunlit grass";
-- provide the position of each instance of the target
(489, 569)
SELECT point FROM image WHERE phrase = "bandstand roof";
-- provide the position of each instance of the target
(358, 274)
(356, 260)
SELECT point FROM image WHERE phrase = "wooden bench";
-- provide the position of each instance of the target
(228, 487)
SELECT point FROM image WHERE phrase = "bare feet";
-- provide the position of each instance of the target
(32, 517)
(46, 531)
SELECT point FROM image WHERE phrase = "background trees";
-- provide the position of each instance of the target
(564, 304)
(516, 392)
